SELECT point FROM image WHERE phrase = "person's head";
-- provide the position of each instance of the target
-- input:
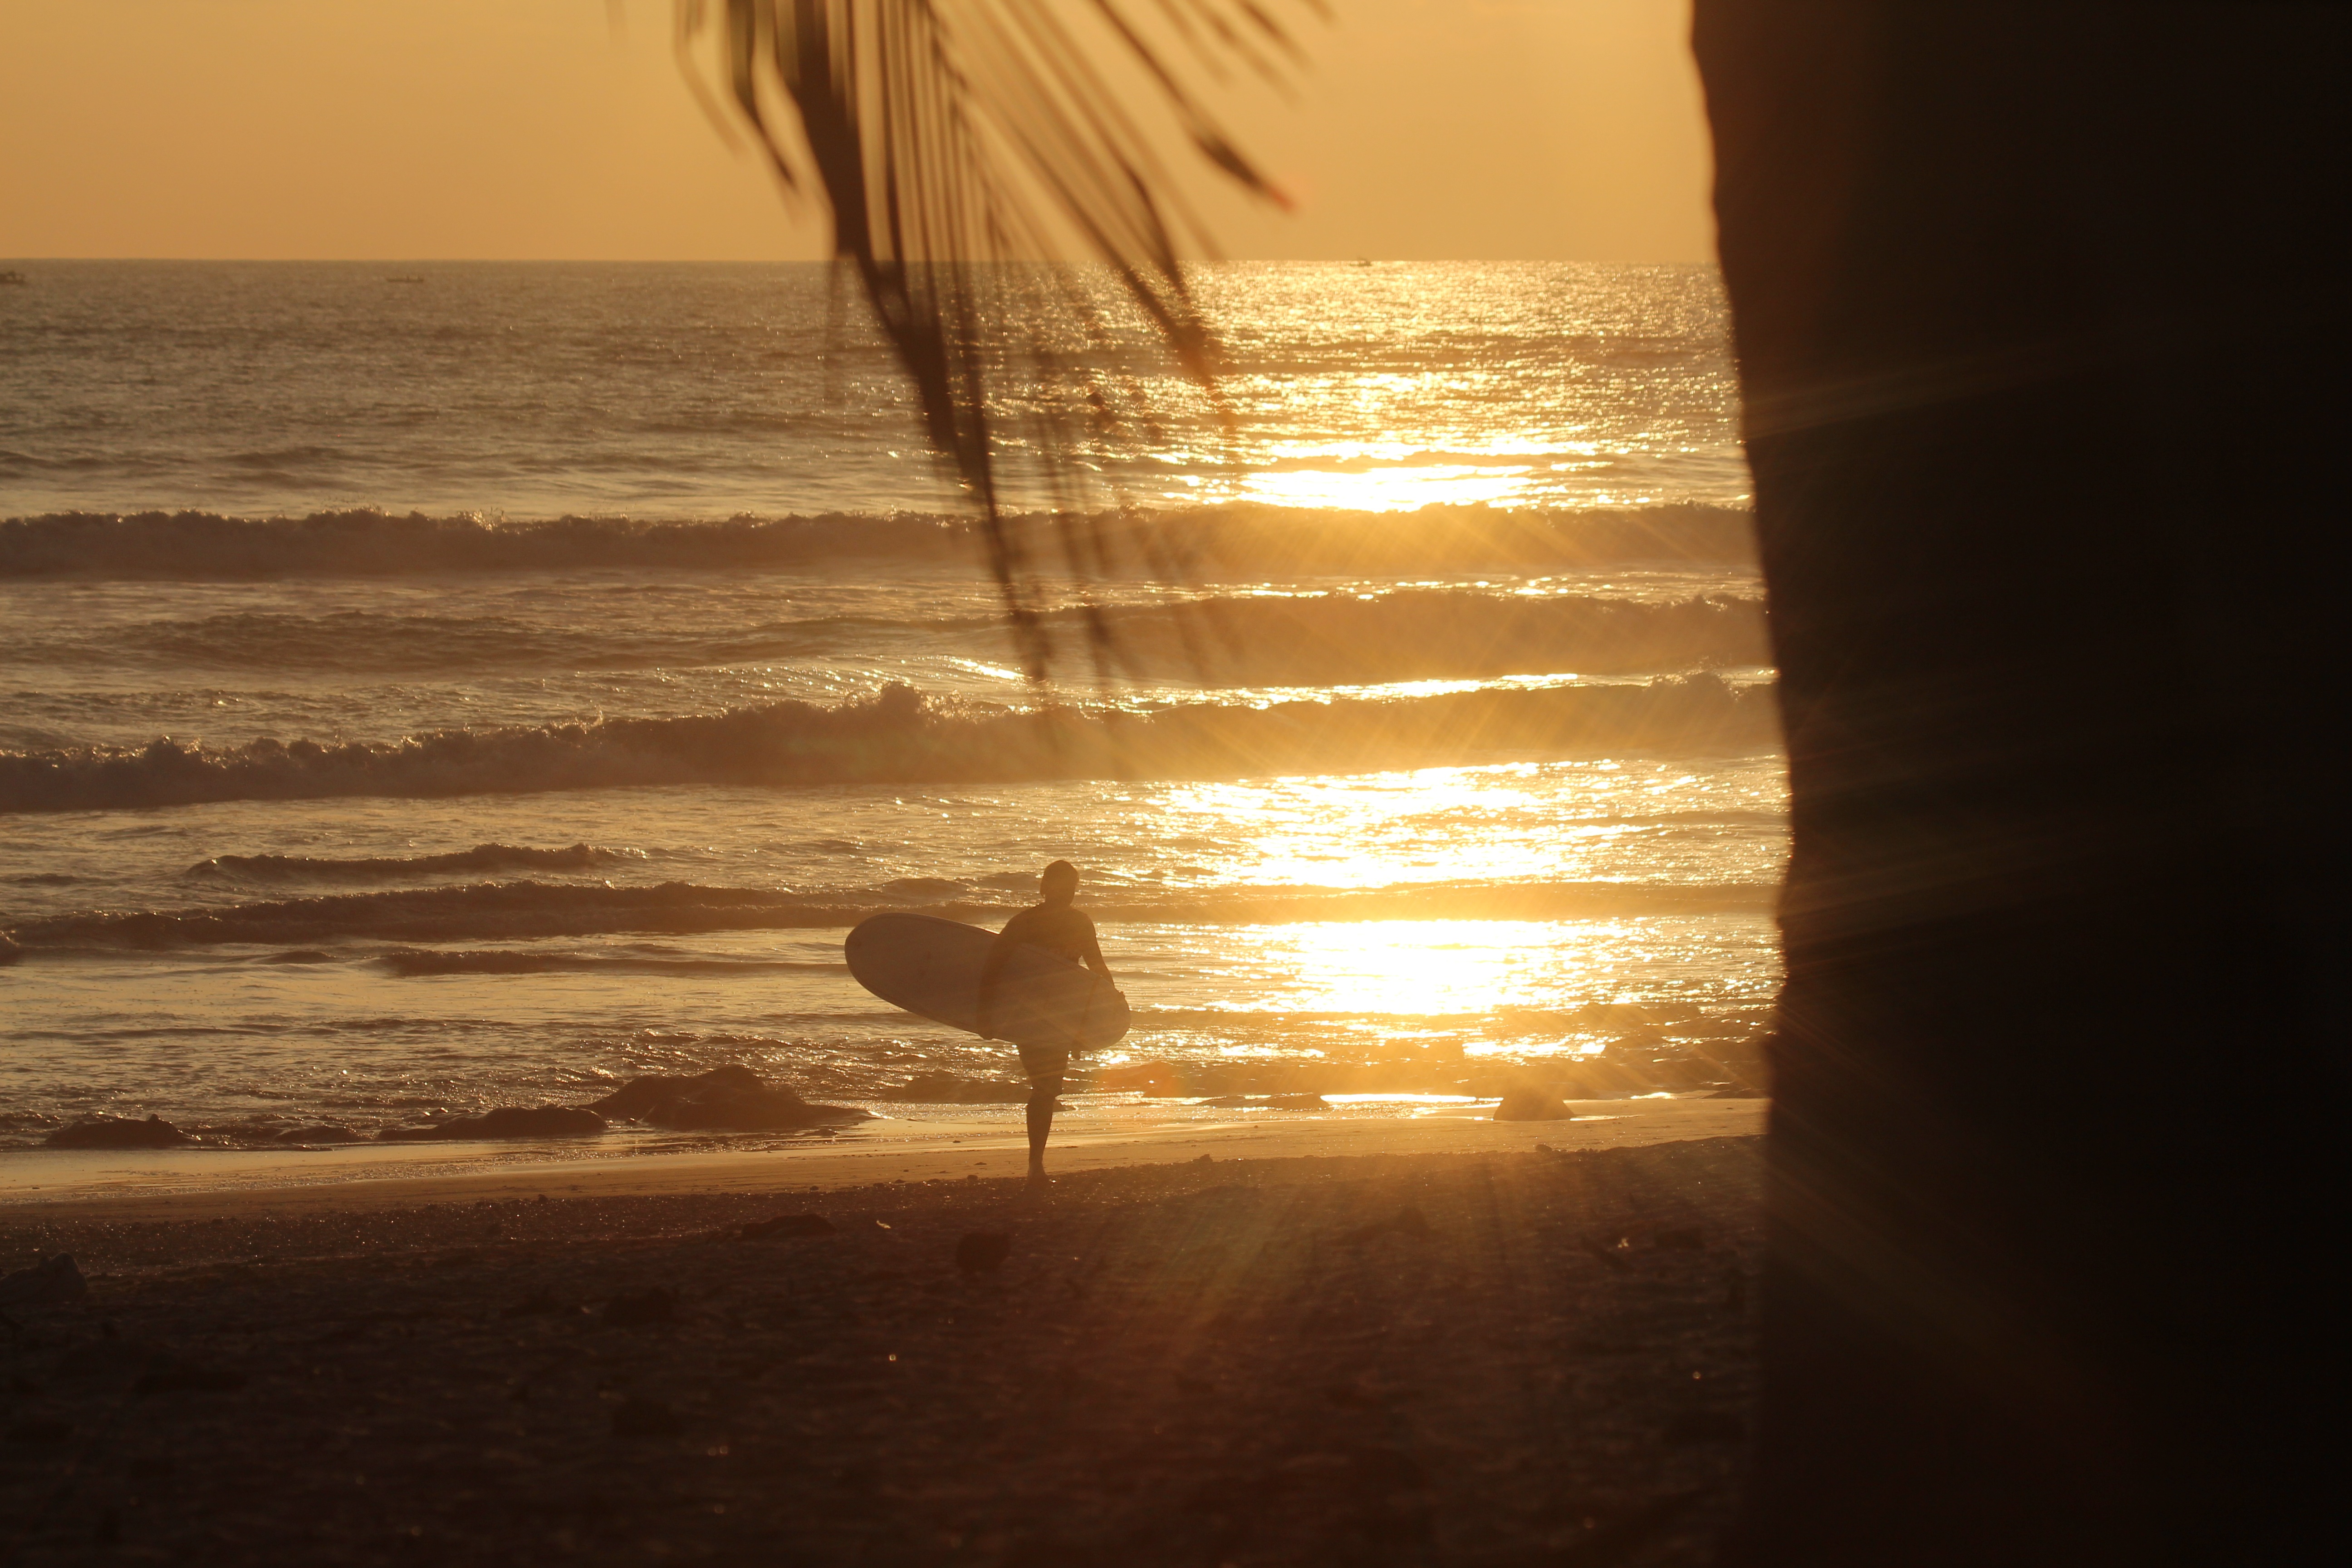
(1058, 883)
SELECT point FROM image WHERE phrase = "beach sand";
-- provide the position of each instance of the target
(1435, 1340)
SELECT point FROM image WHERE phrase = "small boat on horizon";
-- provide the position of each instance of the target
(12, 276)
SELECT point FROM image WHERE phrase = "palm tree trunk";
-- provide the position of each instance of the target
(2042, 334)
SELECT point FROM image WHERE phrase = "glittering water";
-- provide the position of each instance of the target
(1445, 757)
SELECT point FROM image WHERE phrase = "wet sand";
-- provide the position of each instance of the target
(202, 1181)
(1340, 1342)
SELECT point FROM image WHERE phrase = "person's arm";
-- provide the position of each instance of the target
(999, 951)
(1093, 957)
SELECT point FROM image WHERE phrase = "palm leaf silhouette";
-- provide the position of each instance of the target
(964, 146)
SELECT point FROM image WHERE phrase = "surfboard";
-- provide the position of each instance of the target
(932, 966)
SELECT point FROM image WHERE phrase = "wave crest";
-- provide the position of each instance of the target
(493, 911)
(201, 546)
(481, 857)
(1350, 639)
(1317, 638)
(897, 736)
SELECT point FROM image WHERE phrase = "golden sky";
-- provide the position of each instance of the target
(542, 129)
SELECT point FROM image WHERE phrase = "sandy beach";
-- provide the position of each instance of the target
(1437, 1340)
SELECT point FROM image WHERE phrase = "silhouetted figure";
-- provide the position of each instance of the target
(1055, 925)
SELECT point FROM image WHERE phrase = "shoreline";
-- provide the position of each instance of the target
(181, 1183)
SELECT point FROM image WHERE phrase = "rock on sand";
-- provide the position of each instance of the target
(509, 1122)
(1528, 1103)
(732, 1097)
(45, 1283)
(119, 1132)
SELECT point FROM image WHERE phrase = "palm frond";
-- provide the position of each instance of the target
(966, 146)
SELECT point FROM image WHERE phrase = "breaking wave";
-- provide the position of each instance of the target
(481, 857)
(201, 546)
(1347, 639)
(1339, 639)
(519, 910)
(898, 736)
(409, 960)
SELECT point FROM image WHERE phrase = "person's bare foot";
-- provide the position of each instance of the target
(1039, 1182)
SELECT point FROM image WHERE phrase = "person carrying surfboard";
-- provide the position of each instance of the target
(1058, 926)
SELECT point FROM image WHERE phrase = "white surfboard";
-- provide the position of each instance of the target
(932, 966)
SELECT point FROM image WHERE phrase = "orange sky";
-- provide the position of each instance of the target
(532, 128)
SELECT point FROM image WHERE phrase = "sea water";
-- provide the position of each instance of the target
(427, 688)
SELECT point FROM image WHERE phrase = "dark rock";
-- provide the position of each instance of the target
(983, 1251)
(507, 1121)
(653, 1305)
(44, 1283)
(540, 1121)
(1682, 1074)
(325, 1132)
(640, 1417)
(732, 1098)
(119, 1132)
(789, 1225)
(1525, 1103)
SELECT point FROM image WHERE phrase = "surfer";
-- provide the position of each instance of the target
(1056, 924)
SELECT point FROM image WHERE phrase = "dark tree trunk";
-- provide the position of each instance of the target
(2041, 325)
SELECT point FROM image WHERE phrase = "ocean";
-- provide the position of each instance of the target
(431, 688)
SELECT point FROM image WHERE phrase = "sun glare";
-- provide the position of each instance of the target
(1387, 490)
(1496, 824)
(1434, 968)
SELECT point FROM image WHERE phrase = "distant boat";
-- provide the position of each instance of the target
(19, 278)
(408, 278)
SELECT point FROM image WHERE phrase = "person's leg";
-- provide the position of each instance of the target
(1045, 1069)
